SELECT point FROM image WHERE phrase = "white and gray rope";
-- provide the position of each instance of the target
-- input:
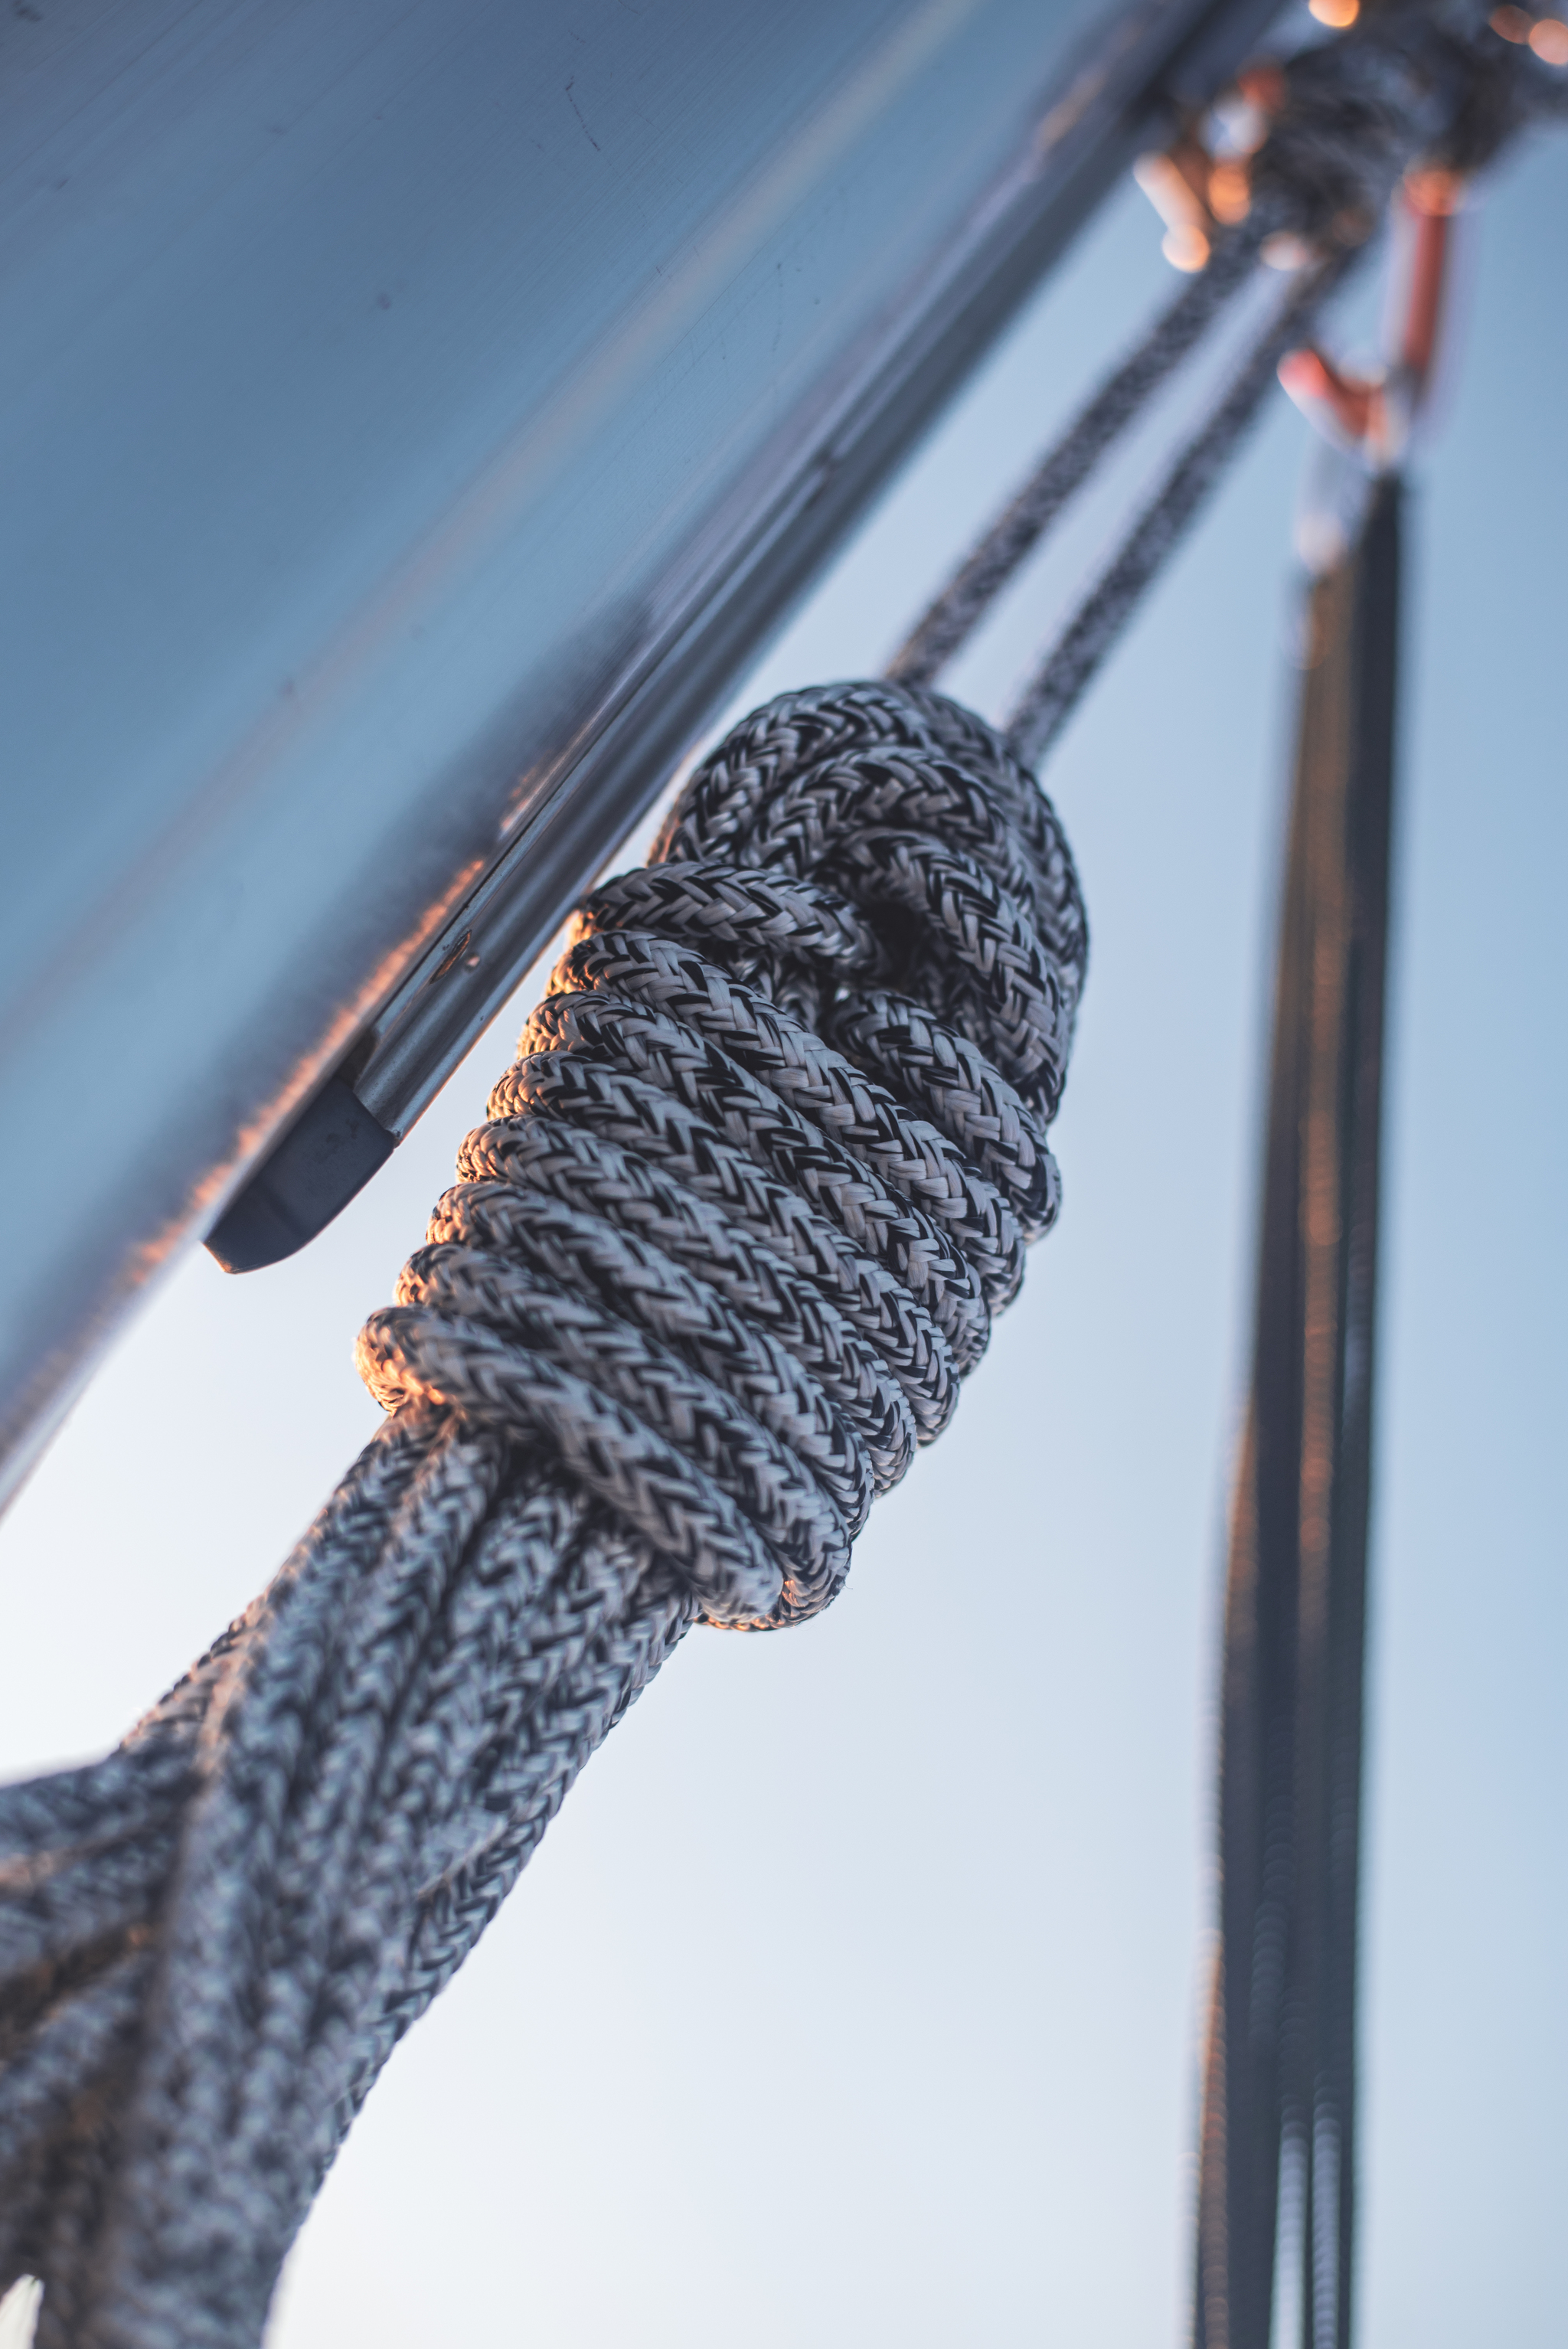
(745, 1204)
(734, 1233)
(1051, 695)
(1417, 83)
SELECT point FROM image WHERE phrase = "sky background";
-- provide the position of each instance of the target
(853, 1998)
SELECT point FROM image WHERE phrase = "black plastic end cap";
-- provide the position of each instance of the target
(329, 1153)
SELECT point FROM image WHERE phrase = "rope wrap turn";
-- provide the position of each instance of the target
(745, 1208)
(779, 1124)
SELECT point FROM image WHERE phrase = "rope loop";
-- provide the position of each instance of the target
(772, 1148)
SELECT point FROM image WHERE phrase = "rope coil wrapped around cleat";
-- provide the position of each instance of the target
(747, 1203)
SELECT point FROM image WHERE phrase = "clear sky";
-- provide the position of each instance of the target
(852, 1998)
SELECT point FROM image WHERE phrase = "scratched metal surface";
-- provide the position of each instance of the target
(383, 390)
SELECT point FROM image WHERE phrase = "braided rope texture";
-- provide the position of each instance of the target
(1105, 416)
(745, 1204)
(1411, 85)
(1057, 686)
(1416, 83)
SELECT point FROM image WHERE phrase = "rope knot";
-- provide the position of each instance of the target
(772, 1148)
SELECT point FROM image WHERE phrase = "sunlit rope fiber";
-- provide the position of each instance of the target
(739, 1225)
(748, 1199)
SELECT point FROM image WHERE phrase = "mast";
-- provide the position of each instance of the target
(413, 420)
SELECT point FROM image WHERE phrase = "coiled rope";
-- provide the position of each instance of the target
(737, 1228)
(747, 1204)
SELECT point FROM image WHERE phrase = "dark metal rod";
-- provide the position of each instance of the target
(1280, 2064)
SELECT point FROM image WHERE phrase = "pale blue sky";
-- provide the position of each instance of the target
(852, 1998)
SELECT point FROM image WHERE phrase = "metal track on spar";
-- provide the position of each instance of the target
(382, 527)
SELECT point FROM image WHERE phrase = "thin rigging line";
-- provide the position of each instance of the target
(963, 604)
(1053, 692)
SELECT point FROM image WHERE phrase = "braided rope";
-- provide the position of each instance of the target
(1357, 113)
(1111, 411)
(1052, 694)
(1411, 84)
(747, 1200)
(736, 1230)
